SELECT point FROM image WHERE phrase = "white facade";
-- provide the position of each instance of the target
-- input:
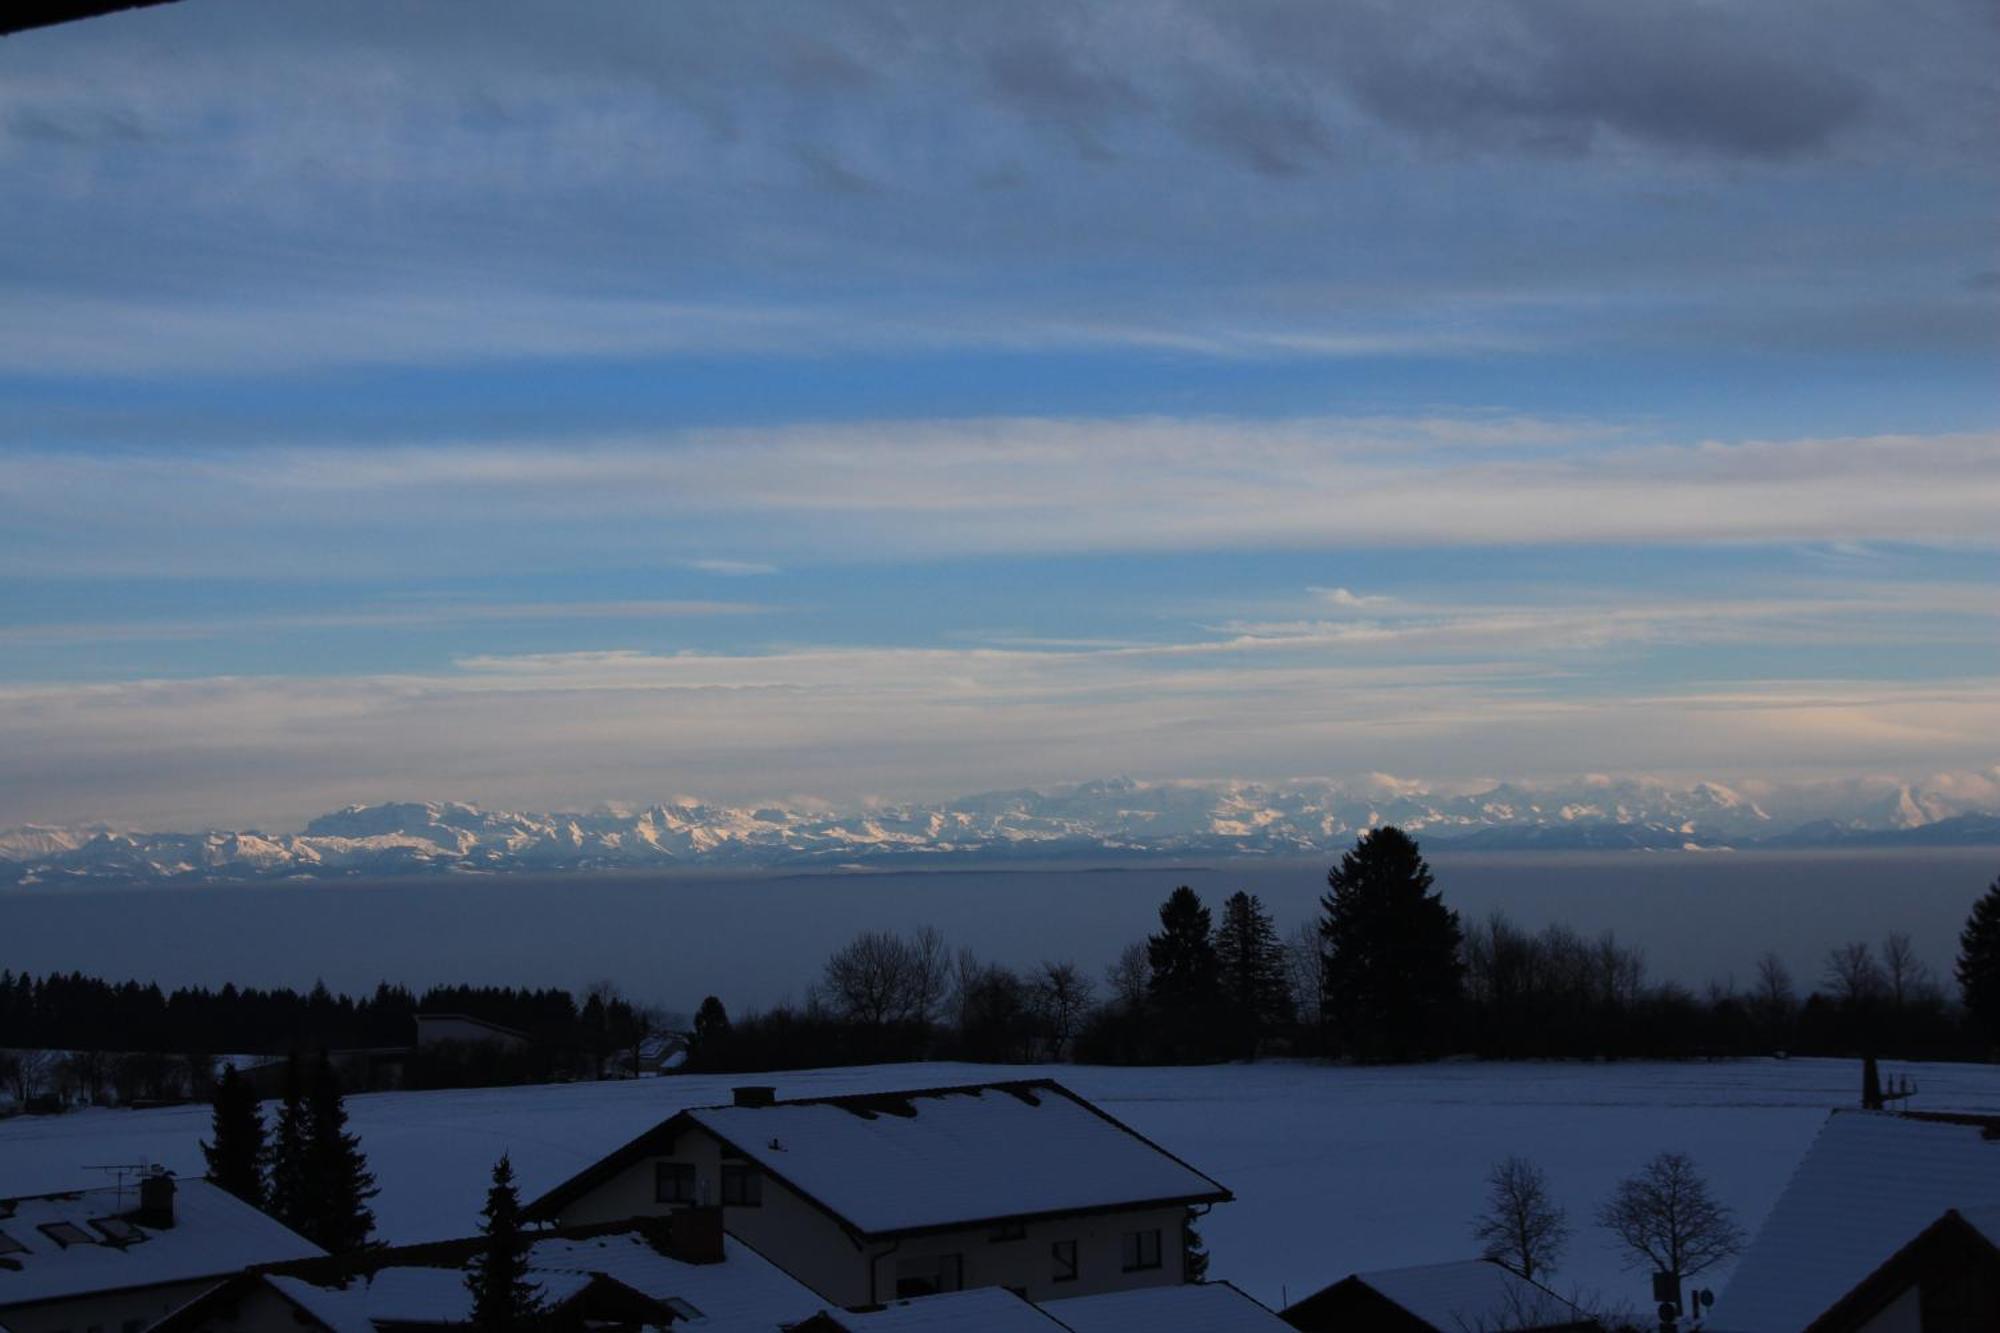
(810, 1244)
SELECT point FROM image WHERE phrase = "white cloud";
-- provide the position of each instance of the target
(983, 486)
(562, 729)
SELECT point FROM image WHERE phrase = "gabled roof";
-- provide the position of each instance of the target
(73, 1244)
(900, 1163)
(1956, 1243)
(1465, 1294)
(1203, 1307)
(425, 1284)
(745, 1290)
(1870, 1181)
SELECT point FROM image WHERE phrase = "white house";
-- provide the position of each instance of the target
(114, 1259)
(1870, 1182)
(884, 1195)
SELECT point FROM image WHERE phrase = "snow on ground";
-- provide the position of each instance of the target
(1335, 1170)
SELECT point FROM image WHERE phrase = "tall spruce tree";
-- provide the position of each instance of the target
(1183, 983)
(290, 1196)
(1394, 969)
(236, 1157)
(503, 1299)
(1251, 964)
(1979, 964)
(337, 1179)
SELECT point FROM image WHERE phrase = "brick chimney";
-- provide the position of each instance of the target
(755, 1096)
(694, 1235)
(156, 1201)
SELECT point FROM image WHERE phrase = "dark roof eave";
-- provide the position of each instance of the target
(1091, 1210)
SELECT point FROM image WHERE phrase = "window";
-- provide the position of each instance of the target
(66, 1234)
(118, 1231)
(1142, 1250)
(673, 1182)
(742, 1185)
(8, 1245)
(1009, 1231)
(929, 1275)
(1064, 1254)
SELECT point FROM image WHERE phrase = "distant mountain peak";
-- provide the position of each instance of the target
(1105, 818)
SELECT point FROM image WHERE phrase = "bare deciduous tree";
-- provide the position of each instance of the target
(1522, 1228)
(1128, 976)
(1666, 1217)
(1061, 996)
(1852, 974)
(1906, 978)
(878, 979)
(1305, 970)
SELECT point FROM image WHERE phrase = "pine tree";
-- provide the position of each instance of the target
(290, 1194)
(711, 1033)
(236, 1158)
(337, 1180)
(1393, 965)
(1979, 964)
(1251, 965)
(503, 1299)
(1183, 982)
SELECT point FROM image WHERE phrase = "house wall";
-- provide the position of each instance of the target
(801, 1239)
(1905, 1314)
(106, 1312)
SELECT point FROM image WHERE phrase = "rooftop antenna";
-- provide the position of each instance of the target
(121, 1170)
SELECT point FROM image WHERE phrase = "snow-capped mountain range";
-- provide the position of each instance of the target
(1110, 819)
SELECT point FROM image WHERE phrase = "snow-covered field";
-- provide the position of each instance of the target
(1334, 1169)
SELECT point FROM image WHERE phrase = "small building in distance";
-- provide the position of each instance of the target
(1946, 1280)
(117, 1258)
(1463, 1297)
(437, 1029)
(880, 1196)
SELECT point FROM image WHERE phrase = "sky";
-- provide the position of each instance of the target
(546, 405)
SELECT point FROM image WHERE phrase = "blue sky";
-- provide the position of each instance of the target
(886, 400)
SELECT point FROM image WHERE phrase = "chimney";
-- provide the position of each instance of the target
(156, 1201)
(755, 1096)
(1871, 1084)
(694, 1235)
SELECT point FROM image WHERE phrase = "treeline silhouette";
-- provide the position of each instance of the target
(75, 1012)
(1385, 972)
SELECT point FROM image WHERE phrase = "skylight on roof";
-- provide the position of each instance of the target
(118, 1231)
(8, 1245)
(66, 1234)
(681, 1308)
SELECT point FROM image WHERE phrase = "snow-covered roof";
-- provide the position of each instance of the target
(982, 1310)
(59, 1245)
(1206, 1307)
(1472, 1293)
(745, 1290)
(1870, 1182)
(887, 1163)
